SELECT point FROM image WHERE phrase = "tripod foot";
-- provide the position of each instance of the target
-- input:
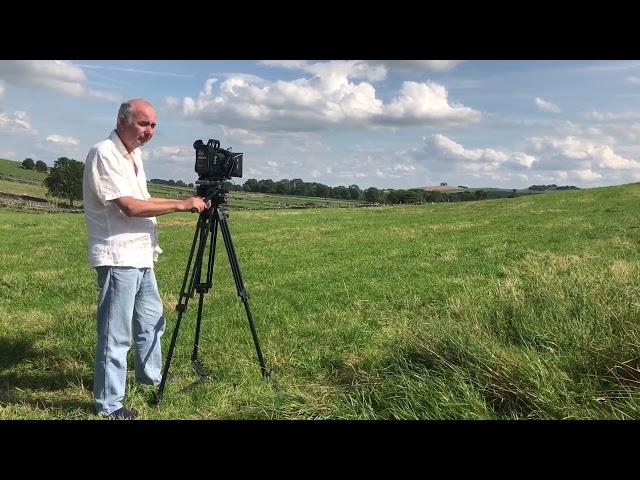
(155, 399)
(202, 371)
(200, 380)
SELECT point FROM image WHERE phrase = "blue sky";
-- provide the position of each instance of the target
(386, 123)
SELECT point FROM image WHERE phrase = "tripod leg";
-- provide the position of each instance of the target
(203, 288)
(242, 292)
(199, 239)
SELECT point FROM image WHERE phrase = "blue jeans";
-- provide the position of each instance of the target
(128, 298)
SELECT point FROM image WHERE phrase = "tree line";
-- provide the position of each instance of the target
(65, 181)
(553, 186)
(298, 187)
(30, 164)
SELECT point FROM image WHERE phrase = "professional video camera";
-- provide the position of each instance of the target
(216, 164)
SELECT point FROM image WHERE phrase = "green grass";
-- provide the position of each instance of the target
(14, 169)
(500, 309)
(166, 191)
(20, 188)
(265, 201)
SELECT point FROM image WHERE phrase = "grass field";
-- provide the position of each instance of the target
(14, 169)
(500, 309)
(17, 180)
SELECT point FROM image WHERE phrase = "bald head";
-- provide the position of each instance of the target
(136, 123)
(132, 105)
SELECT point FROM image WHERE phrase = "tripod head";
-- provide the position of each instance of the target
(212, 190)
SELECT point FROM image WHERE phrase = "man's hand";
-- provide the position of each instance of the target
(195, 204)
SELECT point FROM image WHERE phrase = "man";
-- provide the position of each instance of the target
(123, 245)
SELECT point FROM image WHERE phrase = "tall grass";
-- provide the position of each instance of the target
(500, 309)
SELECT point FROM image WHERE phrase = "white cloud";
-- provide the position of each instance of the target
(17, 122)
(546, 106)
(243, 136)
(335, 68)
(440, 158)
(58, 75)
(587, 175)
(170, 162)
(412, 65)
(587, 152)
(371, 69)
(326, 99)
(420, 103)
(173, 153)
(596, 115)
(487, 159)
(135, 70)
(1, 88)
(633, 79)
(61, 140)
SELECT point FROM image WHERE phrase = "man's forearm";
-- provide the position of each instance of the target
(160, 200)
(133, 207)
(151, 208)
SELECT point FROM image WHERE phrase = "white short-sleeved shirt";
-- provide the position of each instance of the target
(114, 238)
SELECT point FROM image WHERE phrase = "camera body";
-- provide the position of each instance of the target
(215, 163)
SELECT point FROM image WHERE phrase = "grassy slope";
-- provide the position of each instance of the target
(14, 169)
(514, 308)
(22, 183)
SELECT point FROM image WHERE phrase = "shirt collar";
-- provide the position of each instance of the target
(121, 148)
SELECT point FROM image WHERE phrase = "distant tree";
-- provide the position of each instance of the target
(435, 197)
(466, 196)
(283, 186)
(41, 166)
(190, 185)
(355, 192)
(393, 196)
(29, 164)
(480, 195)
(320, 190)
(267, 186)
(373, 195)
(297, 187)
(171, 182)
(251, 185)
(180, 183)
(409, 196)
(65, 179)
(341, 192)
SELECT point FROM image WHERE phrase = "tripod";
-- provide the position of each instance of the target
(207, 229)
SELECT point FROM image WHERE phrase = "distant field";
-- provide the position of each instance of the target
(20, 188)
(256, 201)
(237, 200)
(523, 308)
(14, 169)
(261, 201)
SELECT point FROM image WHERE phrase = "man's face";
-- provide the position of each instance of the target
(138, 128)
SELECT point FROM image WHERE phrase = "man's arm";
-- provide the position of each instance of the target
(160, 200)
(152, 207)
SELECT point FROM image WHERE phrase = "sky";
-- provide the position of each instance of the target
(373, 123)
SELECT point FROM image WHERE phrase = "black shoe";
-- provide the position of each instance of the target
(123, 414)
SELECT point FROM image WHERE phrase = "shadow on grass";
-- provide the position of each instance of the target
(23, 382)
